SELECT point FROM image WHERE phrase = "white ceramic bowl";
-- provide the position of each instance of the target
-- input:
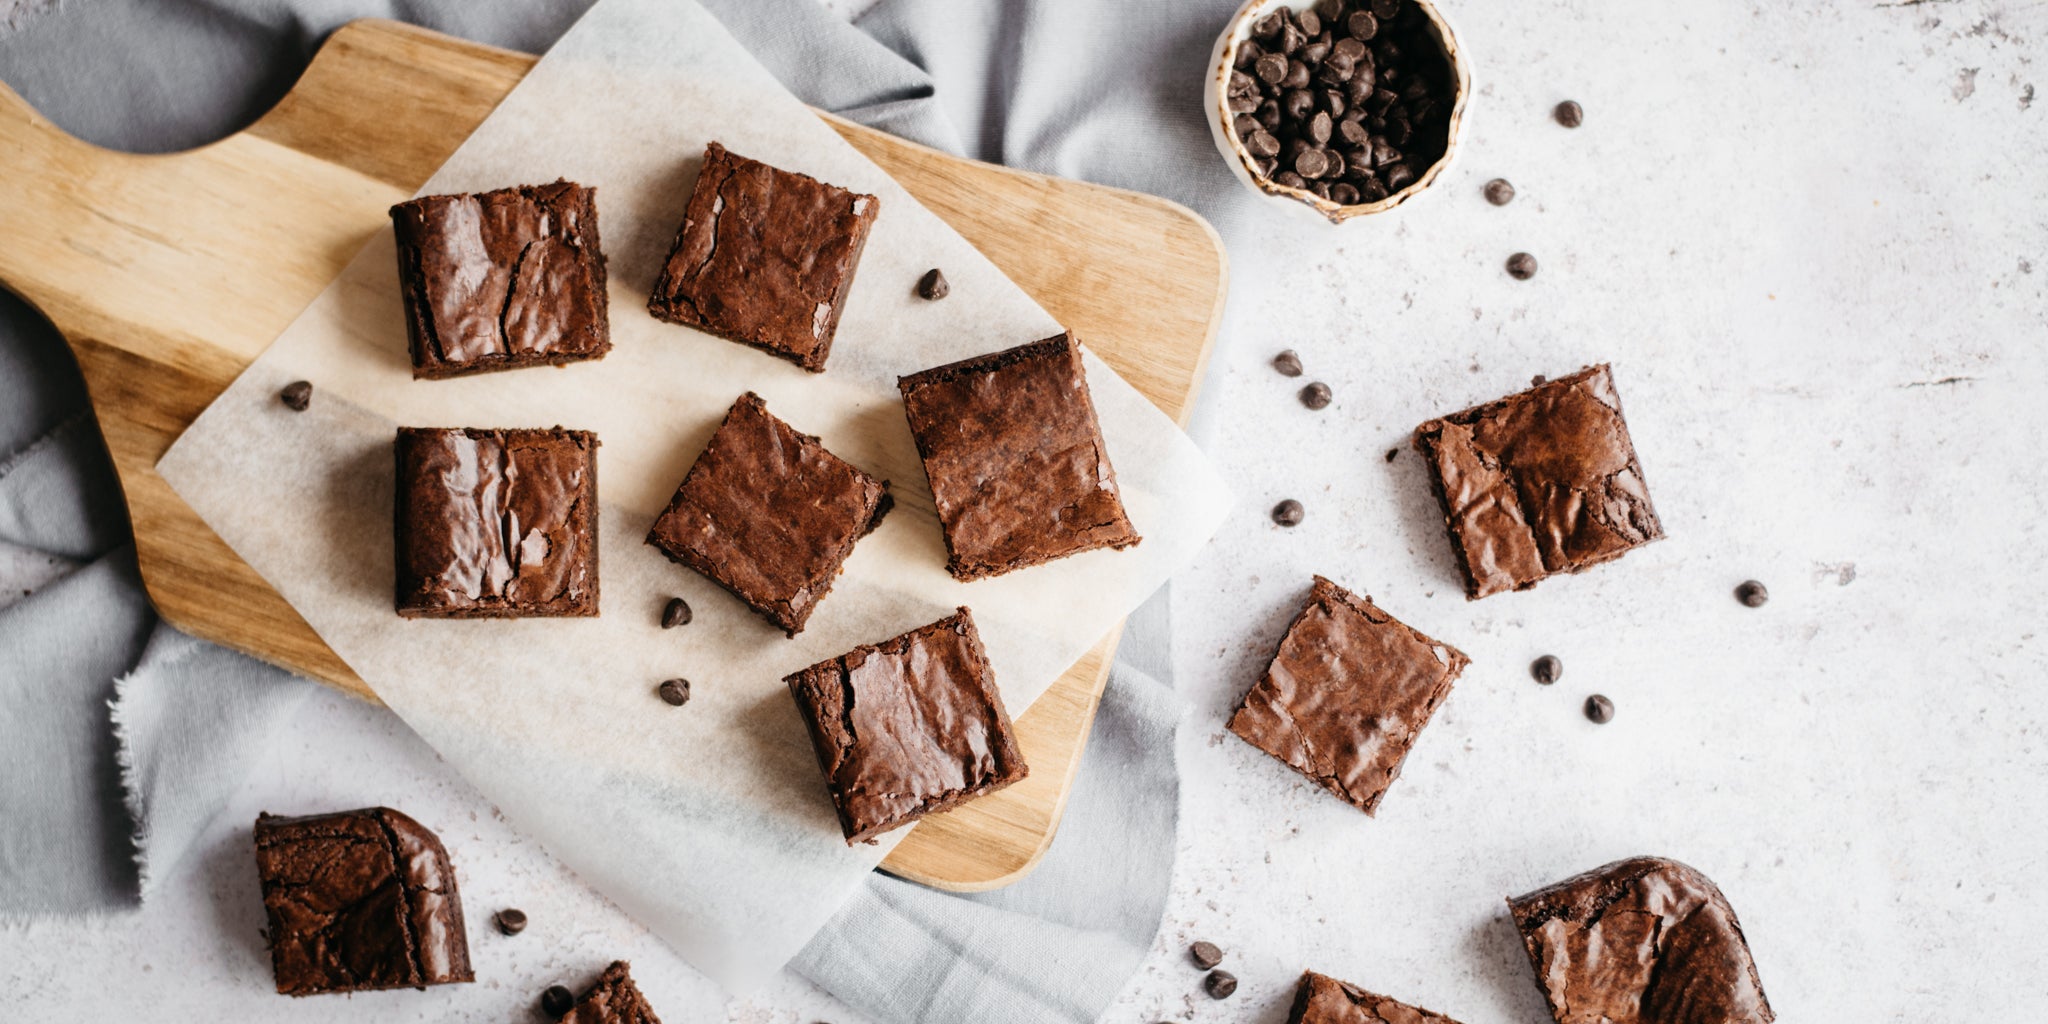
(1215, 101)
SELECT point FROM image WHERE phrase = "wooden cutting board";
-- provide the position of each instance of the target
(169, 274)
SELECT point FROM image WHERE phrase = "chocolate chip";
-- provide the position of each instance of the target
(1297, 75)
(1349, 49)
(1315, 52)
(1269, 114)
(1271, 68)
(1311, 23)
(1372, 190)
(1248, 53)
(510, 921)
(1244, 125)
(1344, 194)
(1538, 381)
(675, 692)
(1244, 104)
(1393, 453)
(675, 613)
(1385, 10)
(1316, 395)
(1570, 114)
(1399, 176)
(1262, 144)
(297, 395)
(1297, 104)
(1333, 101)
(1362, 26)
(1220, 984)
(1290, 180)
(1521, 266)
(1268, 26)
(1311, 163)
(1287, 363)
(1599, 709)
(1319, 128)
(1752, 594)
(1499, 192)
(1547, 669)
(1206, 954)
(1353, 133)
(557, 1001)
(1287, 513)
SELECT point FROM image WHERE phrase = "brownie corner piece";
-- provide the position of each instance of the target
(612, 999)
(1019, 471)
(908, 727)
(1346, 694)
(359, 900)
(496, 523)
(1539, 483)
(764, 257)
(769, 514)
(1643, 939)
(1322, 999)
(502, 280)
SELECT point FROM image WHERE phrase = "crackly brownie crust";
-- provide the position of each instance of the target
(612, 999)
(1346, 695)
(461, 493)
(502, 280)
(1640, 941)
(359, 900)
(1322, 999)
(770, 515)
(764, 257)
(1539, 483)
(1018, 469)
(908, 727)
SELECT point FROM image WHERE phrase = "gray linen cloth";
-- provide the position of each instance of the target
(120, 739)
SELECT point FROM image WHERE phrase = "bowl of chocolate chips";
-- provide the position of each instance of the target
(1343, 107)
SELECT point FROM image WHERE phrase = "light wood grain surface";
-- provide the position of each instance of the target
(169, 274)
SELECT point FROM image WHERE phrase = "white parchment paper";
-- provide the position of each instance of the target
(709, 823)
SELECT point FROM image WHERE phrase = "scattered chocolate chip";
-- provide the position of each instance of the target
(1316, 395)
(510, 921)
(1521, 266)
(1220, 984)
(1206, 954)
(933, 285)
(297, 395)
(1393, 453)
(1570, 114)
(1287, 363)
(676, 692)
(1547, 669)
(1538, 381)
(1752, 594)
(1287, 513)
(557, 1001)
(1499, 192)
(1599, 709)
(676, 613)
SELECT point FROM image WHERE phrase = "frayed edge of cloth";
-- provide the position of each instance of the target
(16, 14)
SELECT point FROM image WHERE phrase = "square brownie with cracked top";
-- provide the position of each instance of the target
(359, 900)
(1640, 941)
(1019, 472)
(764, 257)
(1346, 695)
(1539, 483)
(502, 280)
(496, 524)
(770, 515)
(908, 727)
(1322, 999)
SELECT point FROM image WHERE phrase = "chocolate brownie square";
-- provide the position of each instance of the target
(1322, 999)
(765, 257)
(496, 524)
(500, 280)
(359, 900)
(612, 999)
(1539, 483)
(1346, 695)
(908, 727)
(1640, 941)
(769, 514)
(1015, 457)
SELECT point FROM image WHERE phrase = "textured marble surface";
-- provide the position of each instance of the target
(1813, 240)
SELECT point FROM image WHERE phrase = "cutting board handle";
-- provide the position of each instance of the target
(47, 174)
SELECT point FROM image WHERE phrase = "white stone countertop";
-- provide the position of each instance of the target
(1813, 241)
